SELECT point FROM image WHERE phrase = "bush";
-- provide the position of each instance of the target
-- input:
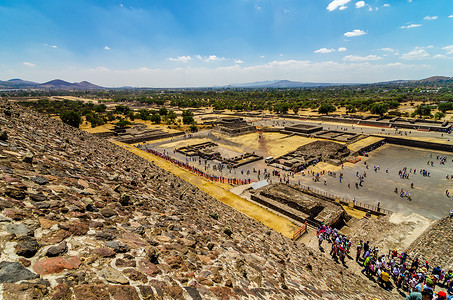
(71, 118)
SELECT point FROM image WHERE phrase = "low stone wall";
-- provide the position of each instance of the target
(134, 140)
(418, 144)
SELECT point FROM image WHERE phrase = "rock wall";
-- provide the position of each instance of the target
(435, 245)
(82, 218)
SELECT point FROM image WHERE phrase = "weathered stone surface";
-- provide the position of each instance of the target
(121, 292)
(24, 291)
(91, 292)
(3, 135)
(117, 246)
(56, 265)
(108, 212)
(14, 271)
(57, 250)
(15, 214)
(28, 158)
(147, 292)
(18, 229)
(122, 263)
(62, 292)
(26, 246)
(148, 268)
(104, 252)
(40, 180)
(113, 276)
(135, 275)
(15, 193)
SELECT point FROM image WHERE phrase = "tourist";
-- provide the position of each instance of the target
(441, 295)
(359, 250)
(424, 295)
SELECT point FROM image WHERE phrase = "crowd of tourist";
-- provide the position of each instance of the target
(195, 170)
(396, 269)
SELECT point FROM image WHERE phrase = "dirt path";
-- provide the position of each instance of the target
(220, 192)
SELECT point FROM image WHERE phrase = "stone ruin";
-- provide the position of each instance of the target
(207, 150)
(305, 129)
(298, 205)
(312, 153)
(234, 126)
(137, 133)
(204, 150)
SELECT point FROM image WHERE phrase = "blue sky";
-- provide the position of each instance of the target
(190, 43)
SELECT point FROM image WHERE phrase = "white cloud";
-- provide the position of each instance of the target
(440, 56)
(342, 49)
(343, 7)
(238, 61)
(355, 32)
(449, 49)
(337, 4)
(257, 7)
(328, 71)
(262, 56)
(324, 50)
(360, 4)
(183, 59)
(415, 54)
(210, 58)
(387, 49)
(106, 48)
(450, 16)
(29, 64)
(386, 5)
(429, 18)
(411, 26)
(286, 11)
(354, 58)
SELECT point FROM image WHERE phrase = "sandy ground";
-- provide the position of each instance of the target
(219, 191)
(270, 144)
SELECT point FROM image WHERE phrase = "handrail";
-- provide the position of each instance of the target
(300, 231)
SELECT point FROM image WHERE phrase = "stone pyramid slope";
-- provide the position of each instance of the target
(84, 219)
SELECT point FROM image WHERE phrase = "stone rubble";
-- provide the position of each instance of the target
(82, 218)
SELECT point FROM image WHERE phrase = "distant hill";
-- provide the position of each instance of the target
(56, 84)
(281, 84)
(59, 84)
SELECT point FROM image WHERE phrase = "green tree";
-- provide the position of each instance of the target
(326, 108)
(350, 108)
(379, 108)
(163, 111)
(439, 115)
(171, 116)
(445, 106)
(155, 118)
(187, 117)
(71, 118)
(422, 110)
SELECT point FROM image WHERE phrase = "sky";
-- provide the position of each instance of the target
(204, 43)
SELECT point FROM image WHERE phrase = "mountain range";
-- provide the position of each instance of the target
(59, 84)
(56, 84)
